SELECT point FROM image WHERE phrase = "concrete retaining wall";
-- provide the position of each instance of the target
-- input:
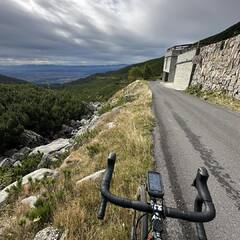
(183, 70)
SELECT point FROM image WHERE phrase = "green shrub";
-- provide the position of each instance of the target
(93, 149)
(195, 89)
(53, 195)
(135, 73)
(15, 191)
(11, 174)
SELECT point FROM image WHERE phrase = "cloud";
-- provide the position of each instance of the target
(105, 31)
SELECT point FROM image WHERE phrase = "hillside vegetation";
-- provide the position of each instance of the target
(100, 87)
(220, 98)
(25, 106)
(227, 33)
(71, 206)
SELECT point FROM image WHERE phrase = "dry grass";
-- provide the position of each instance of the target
(223, 100)
(216, 97)
(131, 139)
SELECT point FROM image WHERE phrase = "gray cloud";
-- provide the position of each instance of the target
(105, 31)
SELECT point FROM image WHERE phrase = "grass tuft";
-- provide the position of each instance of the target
(217, 97)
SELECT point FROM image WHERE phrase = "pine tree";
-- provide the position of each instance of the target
(147, 72)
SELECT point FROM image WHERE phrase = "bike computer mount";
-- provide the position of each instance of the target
(155, 185)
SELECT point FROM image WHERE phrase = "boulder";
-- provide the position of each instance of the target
(84, 122)
(7, 162)
(25, 150)
(75, 123)
(49, 233)
(66, 131)
(47, 160)
(38, 174)
(30, 201)
(94, 106)
(52, 147)
(17, 163)
(18, 156)
(93, 122)
(91, 177)
(31, 139)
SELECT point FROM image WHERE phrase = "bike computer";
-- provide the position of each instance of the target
(155, 185)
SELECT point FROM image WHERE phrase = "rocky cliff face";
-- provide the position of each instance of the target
(219, 67)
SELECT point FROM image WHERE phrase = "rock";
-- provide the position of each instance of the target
(84, 122)
(31, 139)
(7, 162)
(92, 177)
(52, 147)
(93, 122)
(37, 174)
(116, 109)
(74, 132)
(19, 156)
(90, 125)
(30, 201)
(17, 163)
(48, 159)
(110, 125)
(25, 150)
(65, 132)
(75, 123)
(81, 131)
(49, 233)
(94, 106)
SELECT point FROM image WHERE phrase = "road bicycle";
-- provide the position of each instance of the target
(150, 224)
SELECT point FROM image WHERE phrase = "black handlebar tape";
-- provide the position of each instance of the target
(102, 209)
(106, 182)
(207, 215)
(200, 183)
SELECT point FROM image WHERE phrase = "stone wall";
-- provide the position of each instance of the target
(218, 67)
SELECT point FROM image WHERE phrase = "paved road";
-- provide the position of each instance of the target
(191, 133)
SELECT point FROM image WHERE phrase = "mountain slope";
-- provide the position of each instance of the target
(6, 79)
(101, 86)
(227, 33)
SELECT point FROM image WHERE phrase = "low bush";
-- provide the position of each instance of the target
(11, 174)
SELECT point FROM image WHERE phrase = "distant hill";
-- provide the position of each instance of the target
(155, 64)
(101, 86)
(55, 74)
(6, 79)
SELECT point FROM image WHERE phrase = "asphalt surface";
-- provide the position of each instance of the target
(191, 133)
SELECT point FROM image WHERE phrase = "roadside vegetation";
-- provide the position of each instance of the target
(125, 127)
(216, 97)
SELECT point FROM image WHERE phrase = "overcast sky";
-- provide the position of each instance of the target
(105, 31)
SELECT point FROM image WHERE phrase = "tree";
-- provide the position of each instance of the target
(134, 73)
(147, 72)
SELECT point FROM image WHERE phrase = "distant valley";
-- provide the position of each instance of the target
(55, 74)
